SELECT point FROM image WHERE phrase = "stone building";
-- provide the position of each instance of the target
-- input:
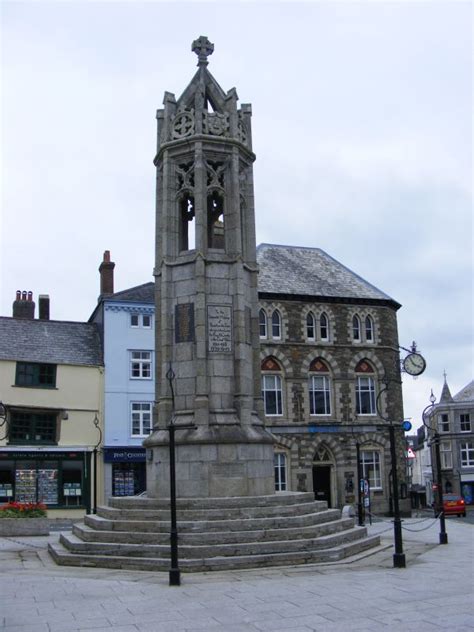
(51, 385)
(454, 419)
(330, 376)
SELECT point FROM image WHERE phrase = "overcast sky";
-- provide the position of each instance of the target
(361, 126)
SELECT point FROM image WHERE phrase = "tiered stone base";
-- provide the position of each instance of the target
(214, 534)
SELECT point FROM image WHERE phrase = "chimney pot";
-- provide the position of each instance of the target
(30, 296)
(24, 306)
(18, 295)
(23, 295)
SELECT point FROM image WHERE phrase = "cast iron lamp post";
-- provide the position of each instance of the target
(426, 417)
(399, 555)
(95, 452)
(174, 572)
(3, 420)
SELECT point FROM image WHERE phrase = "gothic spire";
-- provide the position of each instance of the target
(445, 393)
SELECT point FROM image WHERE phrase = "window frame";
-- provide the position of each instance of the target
(280, 468)
(377, 463)
(444, 422)
(446, 455)
(277, 390)
(262, 324)
(141, 362)
(310, 324)
(369, 329)
(33, 374)
(325, 326)
(34, 419)
(464, 422)
(140, 321)
(141, 413)
(276, 325)
(326, 390)
(370, 392)
(356, 328)
(467, 447)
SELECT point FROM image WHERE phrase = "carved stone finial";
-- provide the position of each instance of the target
(203, 48)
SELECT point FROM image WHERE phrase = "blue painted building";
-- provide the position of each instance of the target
(126, 321)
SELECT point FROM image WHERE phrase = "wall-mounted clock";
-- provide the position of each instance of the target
(414, 364)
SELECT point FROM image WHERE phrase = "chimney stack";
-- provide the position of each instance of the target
(43, 307)
(106, 270)
(24, 306)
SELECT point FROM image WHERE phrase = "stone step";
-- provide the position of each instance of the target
(189, 551)
(63, 557)
(230, 513)
(101, 523)
(135, 536)
(143, 502)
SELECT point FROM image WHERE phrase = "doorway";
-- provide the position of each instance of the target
(322, 483)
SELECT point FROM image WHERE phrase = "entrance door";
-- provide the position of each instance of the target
(322, 483)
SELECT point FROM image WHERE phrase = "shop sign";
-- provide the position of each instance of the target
(121, 455)
(40, 454)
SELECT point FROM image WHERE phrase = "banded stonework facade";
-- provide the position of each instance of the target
(318, 430)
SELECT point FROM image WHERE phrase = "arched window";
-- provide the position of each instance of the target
(262, 323)
(323, 327)
(310, 326)
(365, 389)
(279, 462)
(276, 324)
(356, 328)
(369, 329)
(272, 387)
(319, 388)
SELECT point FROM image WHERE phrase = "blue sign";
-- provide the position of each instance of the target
(406, 425)
(124, 455)
(323, 428)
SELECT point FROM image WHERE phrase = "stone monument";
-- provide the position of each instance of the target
(206, 298)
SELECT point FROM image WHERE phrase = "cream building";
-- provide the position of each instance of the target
(51, 388)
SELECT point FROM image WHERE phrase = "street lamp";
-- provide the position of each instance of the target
(426, 417)
(3, 420)
(96, 423)
(399, 555)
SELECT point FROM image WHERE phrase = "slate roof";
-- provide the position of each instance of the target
(310, 272)
(466, 394)
(144, 293)
(58, 342)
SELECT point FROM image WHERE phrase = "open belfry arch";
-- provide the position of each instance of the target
(206, 296)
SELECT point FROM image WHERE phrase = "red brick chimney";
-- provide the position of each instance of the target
(43, 307)
(23, 305)
(106, 270)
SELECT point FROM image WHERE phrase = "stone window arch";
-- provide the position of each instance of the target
(356, 329)
(363, 325)
(310, 326)
(318, 324)
(262, 323)
(277, 321)
(323, 327)
(276, 325)
(369, 328)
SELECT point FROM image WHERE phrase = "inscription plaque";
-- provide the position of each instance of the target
(219, 328)
(184, 322)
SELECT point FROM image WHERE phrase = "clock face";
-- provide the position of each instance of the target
(414, 364)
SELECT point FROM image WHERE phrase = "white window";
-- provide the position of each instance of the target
(146, 321)
(134, 320)
(465, 422)
(365, 395)
(141, 419)
(356, 328)
(271, 393)
(369, 329)
(276, 324)
(310, 326)
(324, 327)
(140, 320)
(370, 463)
(140, 365)
(443, 422)
(467, 454)
(446, 455)
(262, 323)
(279, 461)
(319, 395)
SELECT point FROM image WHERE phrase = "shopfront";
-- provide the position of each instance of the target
(59, 479)
(125, 471)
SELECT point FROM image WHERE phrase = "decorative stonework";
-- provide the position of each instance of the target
(216, 124)
(183, 124)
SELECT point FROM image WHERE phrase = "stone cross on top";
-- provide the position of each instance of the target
(203, 48)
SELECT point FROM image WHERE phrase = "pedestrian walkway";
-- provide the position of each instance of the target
(434, 592)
